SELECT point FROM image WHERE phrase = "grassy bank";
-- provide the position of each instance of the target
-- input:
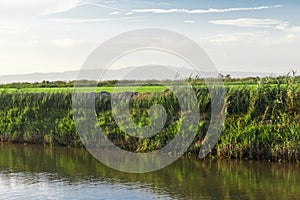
(262, 120)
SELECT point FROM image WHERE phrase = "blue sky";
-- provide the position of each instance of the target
(238, 35)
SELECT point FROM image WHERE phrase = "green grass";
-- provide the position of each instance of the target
(142, 89)
(262, 120)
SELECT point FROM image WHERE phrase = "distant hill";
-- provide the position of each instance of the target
(132, 73)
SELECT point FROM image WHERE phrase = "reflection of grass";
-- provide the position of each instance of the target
(185, 179)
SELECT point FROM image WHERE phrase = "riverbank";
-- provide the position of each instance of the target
(262, 121)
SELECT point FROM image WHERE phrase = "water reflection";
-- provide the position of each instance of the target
(61, 173)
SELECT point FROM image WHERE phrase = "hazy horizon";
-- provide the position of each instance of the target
(143, 73)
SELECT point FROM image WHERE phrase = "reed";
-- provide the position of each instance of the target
(262, 119)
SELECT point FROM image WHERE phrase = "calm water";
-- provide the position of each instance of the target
(35, 172)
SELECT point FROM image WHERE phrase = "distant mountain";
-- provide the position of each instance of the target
(156, 72)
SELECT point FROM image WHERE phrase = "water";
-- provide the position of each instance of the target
(37, 172)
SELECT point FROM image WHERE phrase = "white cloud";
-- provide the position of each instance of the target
(295, 29)
(259, 23)
(10, 29)
(74, 20)
(137, 20)
(201, 11)
(105, 6)
(189, 21)
(114, 13)
(128, 13)
(110, 1)
(251, 39)
(24, 9)
(247, 22)
(151, 3)
(283, 40)
(66, 42)
(232, 37)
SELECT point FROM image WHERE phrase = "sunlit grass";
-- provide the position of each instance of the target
(262, 119)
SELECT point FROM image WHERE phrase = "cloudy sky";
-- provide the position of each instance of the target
(238, 35)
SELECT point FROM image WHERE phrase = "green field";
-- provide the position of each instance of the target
(87, 89)
(112, 89)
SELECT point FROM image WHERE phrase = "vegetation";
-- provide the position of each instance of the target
(262, 118)
(109, 89)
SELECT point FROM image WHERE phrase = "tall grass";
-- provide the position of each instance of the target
(262, 121)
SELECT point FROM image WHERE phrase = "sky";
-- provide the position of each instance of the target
(238, 35)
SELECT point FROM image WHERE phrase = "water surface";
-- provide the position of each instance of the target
(37, 172)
